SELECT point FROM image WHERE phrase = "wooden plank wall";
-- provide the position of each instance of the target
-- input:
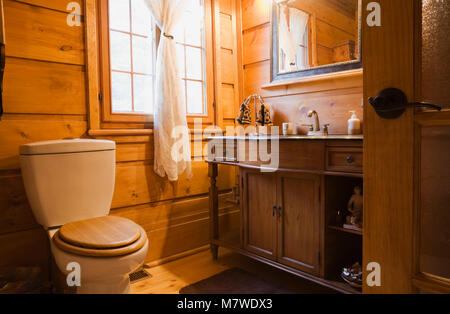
(331, 98)
(45, 98)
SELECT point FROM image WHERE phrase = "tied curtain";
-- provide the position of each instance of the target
(171, 134)
(292, 34)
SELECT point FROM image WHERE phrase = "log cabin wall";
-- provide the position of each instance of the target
(45, 98)
(332, 97)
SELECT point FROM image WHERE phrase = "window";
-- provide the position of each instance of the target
(293, 36)
(132, 56)
(301, 57)
(128, 49)
(191, 52)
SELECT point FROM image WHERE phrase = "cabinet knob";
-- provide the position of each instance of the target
(350, 159)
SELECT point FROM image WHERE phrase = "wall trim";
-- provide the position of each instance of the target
(316, 78)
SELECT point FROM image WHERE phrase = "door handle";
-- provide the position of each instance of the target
(274, 209)
(391, 103)
(280, 210)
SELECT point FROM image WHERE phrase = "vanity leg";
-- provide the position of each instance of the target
(213, 208)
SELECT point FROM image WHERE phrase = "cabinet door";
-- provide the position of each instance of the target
(299, 221)
(259, 216)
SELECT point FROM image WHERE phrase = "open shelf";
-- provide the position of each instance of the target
(343, 286)
(342, 247)
(345, 230)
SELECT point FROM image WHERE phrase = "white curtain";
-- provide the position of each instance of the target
(292, 34)
(171, 133)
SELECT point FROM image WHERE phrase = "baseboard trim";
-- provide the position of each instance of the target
(174, 257)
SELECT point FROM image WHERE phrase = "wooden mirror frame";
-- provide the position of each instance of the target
(318, 70)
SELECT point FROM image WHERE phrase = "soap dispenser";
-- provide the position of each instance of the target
(354, 124)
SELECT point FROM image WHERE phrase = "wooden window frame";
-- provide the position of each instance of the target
(105, 70)
(98, 54)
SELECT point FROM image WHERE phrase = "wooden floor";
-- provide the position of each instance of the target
(169, 278)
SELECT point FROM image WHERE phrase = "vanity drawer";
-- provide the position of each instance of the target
(345, 159)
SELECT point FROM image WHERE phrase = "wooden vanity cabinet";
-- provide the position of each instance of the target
(289, 217)
(259, 214)
(299, 221)
(281, 217)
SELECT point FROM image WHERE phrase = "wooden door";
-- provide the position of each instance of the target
(259, 215)
(406, 173)
(299, 221)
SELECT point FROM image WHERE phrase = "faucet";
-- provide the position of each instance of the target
(316, 126)
(314, 129)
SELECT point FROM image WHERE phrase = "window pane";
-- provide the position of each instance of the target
(194, 67)
(141, 18)
(435, 197)
(195, 97)
(142, 55)
(193, 22)
(435, 79)
(121, 92)
(180, 57)
(120, 51)
(119, 15)
(143, 93)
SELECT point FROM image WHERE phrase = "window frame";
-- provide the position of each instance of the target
(110, 119)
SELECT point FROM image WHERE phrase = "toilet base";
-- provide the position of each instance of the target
(115, 285)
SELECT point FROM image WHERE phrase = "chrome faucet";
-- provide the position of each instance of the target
(316, 125)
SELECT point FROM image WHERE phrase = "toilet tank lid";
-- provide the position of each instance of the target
(66, 146)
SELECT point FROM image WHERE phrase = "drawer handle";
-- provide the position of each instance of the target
(350, 159)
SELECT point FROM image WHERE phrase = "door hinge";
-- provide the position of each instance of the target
(100, 96)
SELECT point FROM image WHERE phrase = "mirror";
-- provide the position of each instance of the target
(311, 37)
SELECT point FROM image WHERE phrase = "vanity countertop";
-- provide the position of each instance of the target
(289, 137)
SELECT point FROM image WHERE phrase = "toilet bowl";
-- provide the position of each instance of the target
(70, 184)
(108, 275)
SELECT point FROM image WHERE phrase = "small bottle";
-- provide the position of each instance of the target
(354, 124)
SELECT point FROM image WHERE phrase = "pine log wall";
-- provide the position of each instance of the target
(45, 98)
(332, 98)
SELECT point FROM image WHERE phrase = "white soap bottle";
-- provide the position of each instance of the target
(354, 124)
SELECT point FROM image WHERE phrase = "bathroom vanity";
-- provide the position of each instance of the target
(289, 214)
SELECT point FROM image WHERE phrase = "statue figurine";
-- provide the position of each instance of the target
(355, 207)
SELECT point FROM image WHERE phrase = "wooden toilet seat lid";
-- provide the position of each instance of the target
(107, 232)
(101, 237)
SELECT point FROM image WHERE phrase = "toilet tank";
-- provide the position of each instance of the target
(68, 180)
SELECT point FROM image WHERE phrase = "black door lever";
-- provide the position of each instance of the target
(390, 103)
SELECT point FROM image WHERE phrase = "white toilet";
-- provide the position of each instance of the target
(70, 185)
